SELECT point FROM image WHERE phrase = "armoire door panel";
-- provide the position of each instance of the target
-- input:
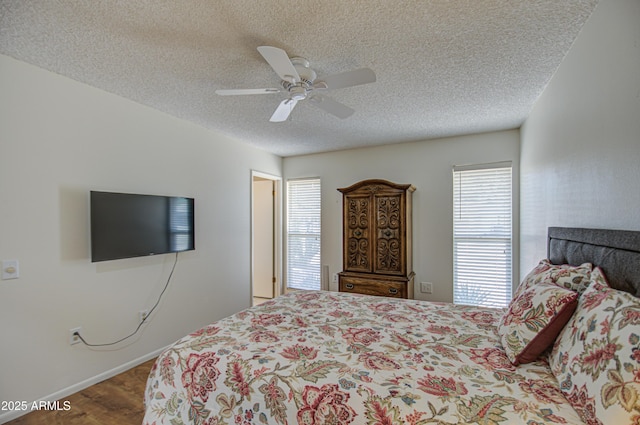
(389, 246)
(358, 233)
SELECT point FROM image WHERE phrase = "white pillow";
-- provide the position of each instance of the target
(596, 358)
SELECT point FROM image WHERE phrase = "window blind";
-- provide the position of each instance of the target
(482, 235)
(303, 234)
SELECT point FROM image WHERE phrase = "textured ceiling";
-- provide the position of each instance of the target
(443, 67)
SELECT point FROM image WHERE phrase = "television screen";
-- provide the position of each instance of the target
(125, 225)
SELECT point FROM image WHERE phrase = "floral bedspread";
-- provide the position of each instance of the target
(336, 358)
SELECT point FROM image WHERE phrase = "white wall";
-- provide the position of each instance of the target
(427, 165)
(580, 159)
(58, 140)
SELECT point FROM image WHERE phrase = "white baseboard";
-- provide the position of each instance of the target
(65, 392)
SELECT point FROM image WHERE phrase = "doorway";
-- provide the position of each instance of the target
(265, 243)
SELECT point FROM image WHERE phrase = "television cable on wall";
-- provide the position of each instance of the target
(142, 322)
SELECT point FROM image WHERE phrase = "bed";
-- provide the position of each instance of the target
(565, 351)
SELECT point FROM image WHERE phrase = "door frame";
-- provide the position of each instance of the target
(277, 230)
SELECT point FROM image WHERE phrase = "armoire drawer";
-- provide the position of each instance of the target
(373, 287)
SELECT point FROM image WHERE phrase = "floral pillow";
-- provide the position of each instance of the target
(596, 358)
(534, 320)
(575, 278)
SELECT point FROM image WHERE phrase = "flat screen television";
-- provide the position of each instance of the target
(125, 225)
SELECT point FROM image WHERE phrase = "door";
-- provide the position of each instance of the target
(263, 238)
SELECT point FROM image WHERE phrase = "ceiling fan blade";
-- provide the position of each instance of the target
(349, 78)
(234, 92)
(280, 62)
(283, 110)
(331, 106)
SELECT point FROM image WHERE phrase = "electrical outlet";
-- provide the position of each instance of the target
(426, 287)
(74, 337)
(143, 314)
(10, 269)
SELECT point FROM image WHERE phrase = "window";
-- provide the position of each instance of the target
(303, 234)
(482, 235)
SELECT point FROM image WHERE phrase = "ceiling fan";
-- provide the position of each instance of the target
(300, 82)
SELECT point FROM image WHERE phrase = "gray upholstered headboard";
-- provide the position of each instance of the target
(617, 252)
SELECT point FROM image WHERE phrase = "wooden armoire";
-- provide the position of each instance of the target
(377, 249)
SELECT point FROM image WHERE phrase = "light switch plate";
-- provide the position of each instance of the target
(10, 269)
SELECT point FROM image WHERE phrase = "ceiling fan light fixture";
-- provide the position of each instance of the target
(298, 92)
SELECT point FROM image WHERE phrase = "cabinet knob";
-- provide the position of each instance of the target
(349, 286)
(393, 291)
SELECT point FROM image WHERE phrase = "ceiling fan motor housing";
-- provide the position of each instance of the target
(299, 88)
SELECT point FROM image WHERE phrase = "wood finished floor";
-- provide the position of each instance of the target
(116, 401)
